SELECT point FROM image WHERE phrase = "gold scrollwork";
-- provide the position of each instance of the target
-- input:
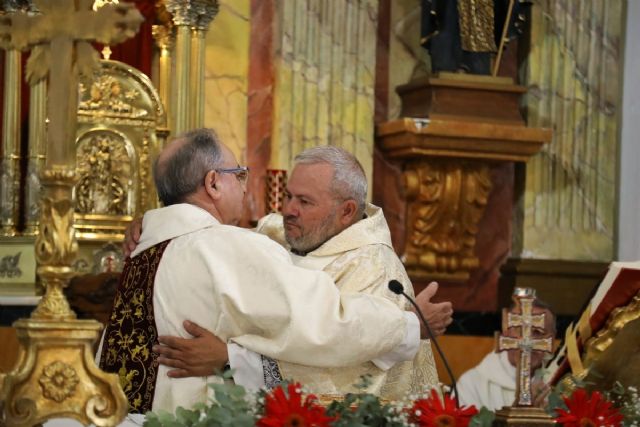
(56, 244)
(446, 201)
(58, 381)
(618, 319)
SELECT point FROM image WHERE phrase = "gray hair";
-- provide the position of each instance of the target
(349, 180)
(183, 172)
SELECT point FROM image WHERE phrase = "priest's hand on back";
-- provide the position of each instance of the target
(132, 236)
(203, 355)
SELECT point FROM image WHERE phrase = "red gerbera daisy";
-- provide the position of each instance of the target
(588, 411)
(432, 412)
(288, 410)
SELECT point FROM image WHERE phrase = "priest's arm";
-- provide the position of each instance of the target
(282, 311)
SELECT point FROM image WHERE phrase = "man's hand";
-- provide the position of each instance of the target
(438, 315)
(204, 354)
(132, 236)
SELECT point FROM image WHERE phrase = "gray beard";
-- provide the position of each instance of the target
(312, 240)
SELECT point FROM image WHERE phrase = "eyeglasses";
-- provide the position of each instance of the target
(241, 173)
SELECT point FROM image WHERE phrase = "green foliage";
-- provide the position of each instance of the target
(484, 418)
(363, 409)
(628, 400)
(229, 407)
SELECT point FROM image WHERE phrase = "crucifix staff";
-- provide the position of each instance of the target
(526, 344)
(55, 375)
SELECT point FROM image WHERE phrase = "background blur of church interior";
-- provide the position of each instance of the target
(497, 165)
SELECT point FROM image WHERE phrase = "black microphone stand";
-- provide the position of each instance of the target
(397, 288)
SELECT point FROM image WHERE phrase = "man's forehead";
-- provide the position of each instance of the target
(310, 179)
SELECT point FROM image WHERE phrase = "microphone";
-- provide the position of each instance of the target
(397, 288)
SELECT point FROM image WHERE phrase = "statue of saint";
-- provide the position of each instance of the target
(462, 35)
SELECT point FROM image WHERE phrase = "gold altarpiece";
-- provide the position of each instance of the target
(121, 128)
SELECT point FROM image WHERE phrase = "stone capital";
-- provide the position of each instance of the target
(193, 13)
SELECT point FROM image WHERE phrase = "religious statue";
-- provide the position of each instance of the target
(462, 35)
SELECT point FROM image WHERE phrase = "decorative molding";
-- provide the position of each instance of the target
(446, 199)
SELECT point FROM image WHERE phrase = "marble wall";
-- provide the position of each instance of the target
(227, 74)
(324, 66)
(407, 59)
(573, 77)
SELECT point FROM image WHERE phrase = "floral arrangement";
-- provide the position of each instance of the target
(288, 405)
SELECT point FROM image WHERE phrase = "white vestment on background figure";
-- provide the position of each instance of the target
(361, 260)
(491, 384)
(242, 286)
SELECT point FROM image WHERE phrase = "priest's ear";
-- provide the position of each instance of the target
(211, 184)
(347, 212)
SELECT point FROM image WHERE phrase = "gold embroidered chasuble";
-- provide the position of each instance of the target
(131, 331)
(360, 259)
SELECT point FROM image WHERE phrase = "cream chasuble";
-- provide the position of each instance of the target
(243, 287)
(361, 260)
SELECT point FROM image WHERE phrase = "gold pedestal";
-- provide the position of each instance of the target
(56, 376)
(522, 417)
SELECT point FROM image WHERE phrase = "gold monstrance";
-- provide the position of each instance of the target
(522, 412)
(55, 375)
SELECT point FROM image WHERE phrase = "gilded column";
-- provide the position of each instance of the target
(164, 38)
(10, 163)
(183, 20)
(188, 67)
(205, 11)
(37, 152)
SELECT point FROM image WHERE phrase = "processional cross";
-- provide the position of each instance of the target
(526, 344)
(55, 375)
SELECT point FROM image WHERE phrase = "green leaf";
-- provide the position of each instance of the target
(484, 418)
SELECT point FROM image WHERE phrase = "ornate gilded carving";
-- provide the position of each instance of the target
(192, 13)
(56, 243)
(106, 96)
(205, 11)
(618, 319)
(446, 199)
(58, 381)
(122, 125)
(104, 169)
(477, 25)
(55, 376)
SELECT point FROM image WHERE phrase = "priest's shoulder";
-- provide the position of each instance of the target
(243, 239)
